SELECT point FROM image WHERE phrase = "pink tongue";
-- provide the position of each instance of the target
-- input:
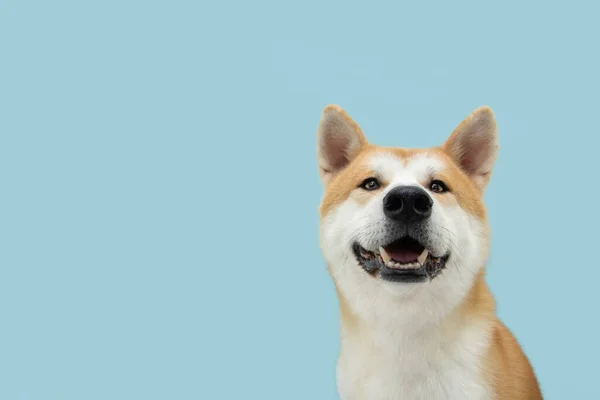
(403, 256)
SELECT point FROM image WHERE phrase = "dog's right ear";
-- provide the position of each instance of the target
(339, 140)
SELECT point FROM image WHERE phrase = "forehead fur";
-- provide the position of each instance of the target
(399, 166)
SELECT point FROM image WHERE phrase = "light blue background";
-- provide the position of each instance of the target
(159, 188)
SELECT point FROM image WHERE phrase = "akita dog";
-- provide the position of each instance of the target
(405, 237)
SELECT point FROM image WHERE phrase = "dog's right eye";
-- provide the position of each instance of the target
(370, 184)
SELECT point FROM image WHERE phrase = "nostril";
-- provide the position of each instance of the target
(422, 205)
(394, 204)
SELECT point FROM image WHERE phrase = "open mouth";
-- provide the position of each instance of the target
(403, 260)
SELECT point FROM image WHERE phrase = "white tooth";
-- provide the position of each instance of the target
(386, 257)
(423, 256)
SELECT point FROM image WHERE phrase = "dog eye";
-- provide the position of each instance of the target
(438, 187)
(370, 184)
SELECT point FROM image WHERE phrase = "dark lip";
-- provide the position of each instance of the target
(413, 276)
(428, 271)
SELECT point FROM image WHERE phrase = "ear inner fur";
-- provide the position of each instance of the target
(339, 141)
(473, 145)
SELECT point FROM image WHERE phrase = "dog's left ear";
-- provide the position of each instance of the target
(474, 145)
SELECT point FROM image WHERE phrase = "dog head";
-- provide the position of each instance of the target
(404, 222)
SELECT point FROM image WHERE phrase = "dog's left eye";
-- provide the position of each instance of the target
(438, 186)
(370, 184)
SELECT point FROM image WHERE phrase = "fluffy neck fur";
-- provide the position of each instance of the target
(407, 320)
(404, 352)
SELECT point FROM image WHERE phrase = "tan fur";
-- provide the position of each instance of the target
(506, 369)
(346, 181)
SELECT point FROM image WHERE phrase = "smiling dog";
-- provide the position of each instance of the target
(405, 237)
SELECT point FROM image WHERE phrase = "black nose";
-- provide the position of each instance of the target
(407, 204)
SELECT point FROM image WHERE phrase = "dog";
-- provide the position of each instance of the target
(405, 238)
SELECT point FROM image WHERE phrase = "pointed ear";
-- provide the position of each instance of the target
(474, 145)
(339, 140)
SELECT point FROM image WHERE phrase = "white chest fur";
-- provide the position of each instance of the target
(430, 366)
